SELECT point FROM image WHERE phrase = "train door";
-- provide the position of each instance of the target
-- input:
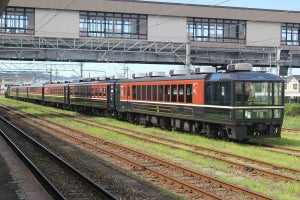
(110, 96)
(117, 95)
(17, 92)
(66, 95)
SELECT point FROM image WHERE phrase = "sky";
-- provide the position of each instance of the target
(113, 68)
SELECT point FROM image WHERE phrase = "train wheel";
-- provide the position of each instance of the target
(223, 134)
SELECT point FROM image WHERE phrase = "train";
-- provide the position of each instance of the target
(238, 103)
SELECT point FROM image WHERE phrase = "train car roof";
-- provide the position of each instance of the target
(253, 76)
(165, 78)
(36, 85)
(92, 82)
(250, 76)
(55, 84)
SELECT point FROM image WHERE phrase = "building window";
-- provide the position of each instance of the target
(17, 21)
(295, 86)
(290, 34)
(115, 25)
(216, 30)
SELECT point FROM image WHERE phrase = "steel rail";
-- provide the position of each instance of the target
(57, 193)
(191, 172)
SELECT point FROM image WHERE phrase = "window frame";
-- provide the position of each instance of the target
(115, 25)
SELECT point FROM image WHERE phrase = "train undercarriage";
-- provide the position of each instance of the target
(237, 131)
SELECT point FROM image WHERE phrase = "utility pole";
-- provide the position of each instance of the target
(81, 70)
(188, 55)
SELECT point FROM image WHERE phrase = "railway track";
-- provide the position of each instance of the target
(244, 163)
(291, 130)
(59, 178)
(277, 149)
(241, 162)
(188, 181)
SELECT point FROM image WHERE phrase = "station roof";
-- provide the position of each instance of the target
(161, 8)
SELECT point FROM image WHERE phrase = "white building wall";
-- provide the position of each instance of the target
(56, 23)
(258, 34)
(290, 86)
(165, 28)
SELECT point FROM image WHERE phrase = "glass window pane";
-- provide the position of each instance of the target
(239, 92)
(17, 21)
(258, 114)
(144, 92)
(180, 93)
(160, 93)
(278, 100)
(167, 93)
(154, 93)
(148, 92)
(134, 92)
(174, 93)
(98, 24)
(189, 96)
(277, 113)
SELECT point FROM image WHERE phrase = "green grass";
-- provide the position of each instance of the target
(292, 116)
(278, 190)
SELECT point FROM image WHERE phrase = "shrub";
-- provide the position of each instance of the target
(292, 109)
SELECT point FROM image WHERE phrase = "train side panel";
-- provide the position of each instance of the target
(56, 94)
(36, 92)
(91, 97)
(168, 103)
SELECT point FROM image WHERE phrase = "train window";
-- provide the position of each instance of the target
(258, 93)
(278, 94)
(225, 96)
(82, 91)
(188, 93)
(167, 93)
(180, 93)
(212, 93)
(239, 114)
(154, 93)
(134, 92)
(124, 90)
(174, 93)
(96, 91)
(92, 92)
(100, 91)
(104, 92)
(277, 113)
(148, 92)
(138, 93)
(144, 92)
(88, 91)
(258, 114)
(239, 90)
(160, 93)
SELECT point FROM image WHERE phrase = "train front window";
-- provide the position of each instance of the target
(256, 114)
(253, 93)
